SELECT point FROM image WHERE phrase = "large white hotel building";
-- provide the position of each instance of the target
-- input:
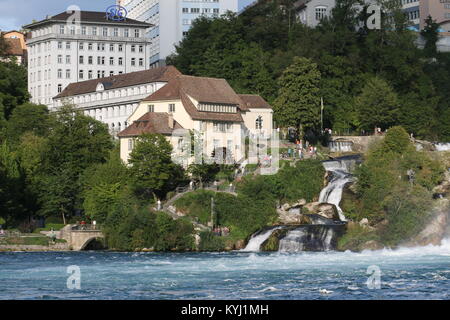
(173, 18)
(61, 52)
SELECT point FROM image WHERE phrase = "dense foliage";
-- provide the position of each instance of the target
(393, 189)
(254, 207)
(258, 49)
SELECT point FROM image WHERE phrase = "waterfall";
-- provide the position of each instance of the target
(442, 146)
(257, 239)
(340, 146)
(311, 238)
(340, 176)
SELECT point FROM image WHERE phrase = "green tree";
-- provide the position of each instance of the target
(377, 105)
(152, 169)
(75, 142)
(13, 86)
(28, 117)
(106, 188)
(298, 101)
(431, 36)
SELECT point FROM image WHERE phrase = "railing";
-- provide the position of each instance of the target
(85, 227)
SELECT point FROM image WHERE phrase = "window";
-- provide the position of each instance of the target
(81, 60)
(94, 31)
(151, 108)
(59, 58)
(111, 61)
(90, 60)
(185, 10)
(59, 45)
(99, 74)
(61, 29)
(116, 32)
(90, 46)
(172, 107)
(67, 73)
(259, 122)
(133, 48)
(130, 144)
(59, 73)
(120, 47)
(101, 47)
(133, 61)
(141, 49)
(111, 47)
(137, 33)
(81, 46)
(83, 30)
(126, 33)
(195, 10)
(320, 13)
(68, 45)
(120, 61)
(105, 31)
(59, 88)
(111, 73)
(68, 59)
(141, 62)
(81, 74)
(90, 74)
(215, 10)
(72, 30)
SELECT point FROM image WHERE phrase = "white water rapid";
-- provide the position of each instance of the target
(332, 193)
(255, 242)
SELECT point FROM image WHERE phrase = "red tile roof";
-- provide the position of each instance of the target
(204, 90)
(161, 74)
(151, 122)
(254, 101)
(14, 47)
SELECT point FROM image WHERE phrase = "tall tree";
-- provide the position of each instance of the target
(431, 36)
(298, 101)
(377, 105)
(28, 117)
(75, 142)
(153, 171)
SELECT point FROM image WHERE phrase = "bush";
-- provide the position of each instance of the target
(130, 229)
(210, 242)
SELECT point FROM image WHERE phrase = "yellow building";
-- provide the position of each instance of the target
(209, 107)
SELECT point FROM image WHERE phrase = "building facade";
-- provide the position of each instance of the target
(310, 12)
(15, 41)
(61, 52)
(113, 99)
(173, 18)
(208, 107)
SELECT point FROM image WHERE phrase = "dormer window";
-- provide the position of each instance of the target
(100, 87)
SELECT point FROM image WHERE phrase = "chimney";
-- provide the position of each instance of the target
(171, 121)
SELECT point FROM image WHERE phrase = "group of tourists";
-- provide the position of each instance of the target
(300, 151)
(221, 231)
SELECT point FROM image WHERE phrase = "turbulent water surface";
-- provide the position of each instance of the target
(420, 273)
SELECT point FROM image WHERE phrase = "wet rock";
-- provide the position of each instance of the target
(240, 244)
(288, 217)
(364, 222)
(326, 210)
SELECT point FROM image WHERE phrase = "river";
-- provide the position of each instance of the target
(418, 273)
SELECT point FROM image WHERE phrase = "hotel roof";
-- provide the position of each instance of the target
(161, 74)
